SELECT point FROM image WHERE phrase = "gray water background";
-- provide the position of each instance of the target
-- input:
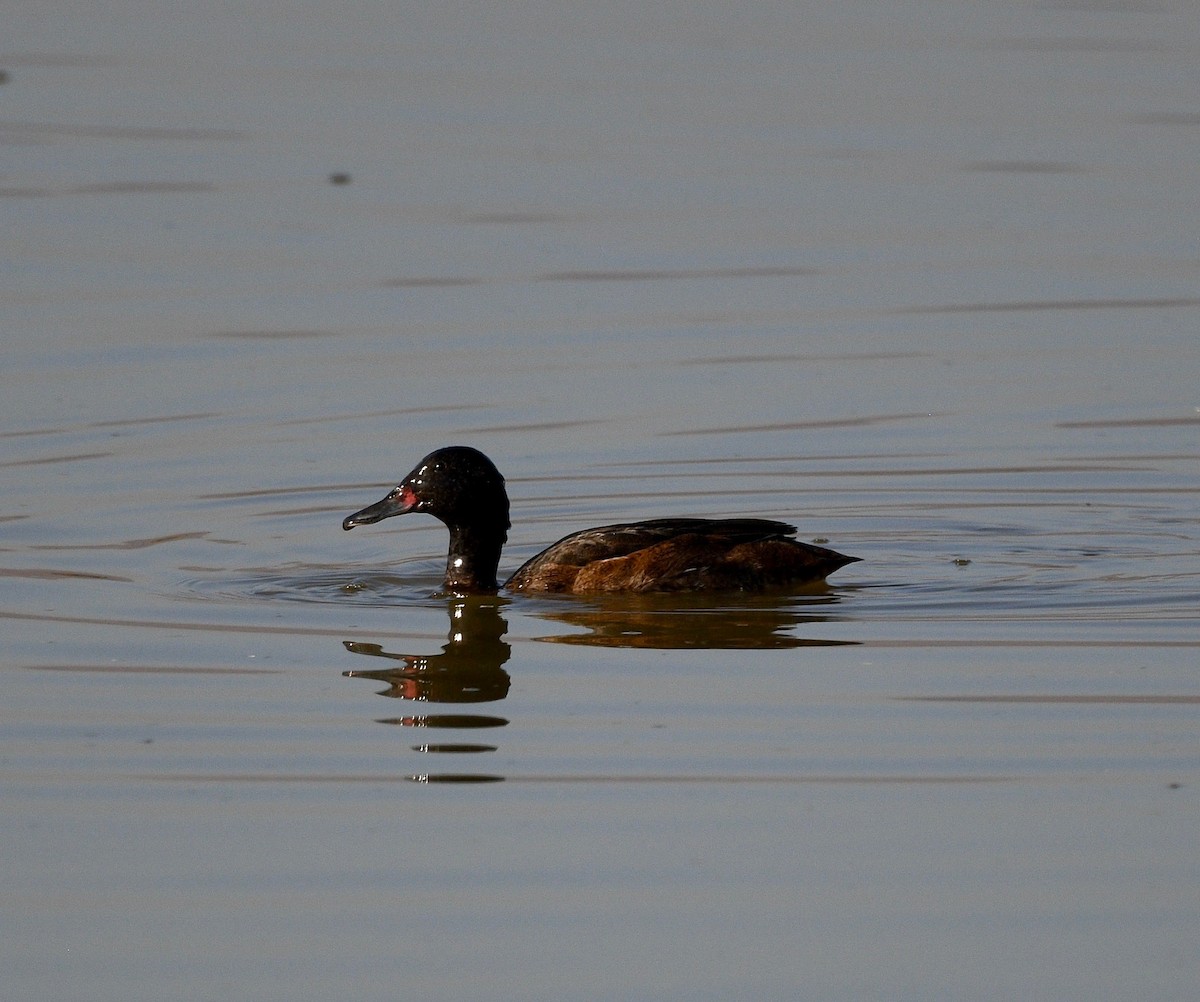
(921, 277)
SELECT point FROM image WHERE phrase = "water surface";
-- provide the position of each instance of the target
(921, 280)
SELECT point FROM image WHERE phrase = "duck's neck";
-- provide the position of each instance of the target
(473, 558)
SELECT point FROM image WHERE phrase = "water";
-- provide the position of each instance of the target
(921, 279)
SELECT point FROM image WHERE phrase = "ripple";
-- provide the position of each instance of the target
(322, 585)
(154, 670)
(660, 274)
(1076, 698)
(51, 574)
(11, 129)
(1027, 598)
(1168, 302)
(453, 749)
(1023, 167)
(452, 720)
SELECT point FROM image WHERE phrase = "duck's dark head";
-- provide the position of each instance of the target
(461, 487)
(458, 485)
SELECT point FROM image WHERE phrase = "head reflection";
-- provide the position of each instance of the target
(469, 668)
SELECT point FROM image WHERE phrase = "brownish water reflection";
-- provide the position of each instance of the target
(470, 666)
(672, 622)
(468, 670)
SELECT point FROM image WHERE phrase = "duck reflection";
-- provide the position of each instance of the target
(469, 669)
(682, 622)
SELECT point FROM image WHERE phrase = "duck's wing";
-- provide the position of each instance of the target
(555, 568)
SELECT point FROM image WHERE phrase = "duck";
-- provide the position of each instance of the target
(462, 488)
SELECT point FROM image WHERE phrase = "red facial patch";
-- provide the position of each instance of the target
(408, 497)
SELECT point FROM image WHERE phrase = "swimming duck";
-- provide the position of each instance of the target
(462, 487)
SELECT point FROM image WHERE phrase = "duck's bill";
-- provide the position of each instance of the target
(396, 503)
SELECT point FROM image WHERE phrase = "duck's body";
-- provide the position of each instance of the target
(678, 554)
(463, 488)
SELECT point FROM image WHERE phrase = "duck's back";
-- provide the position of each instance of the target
(678, 554)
